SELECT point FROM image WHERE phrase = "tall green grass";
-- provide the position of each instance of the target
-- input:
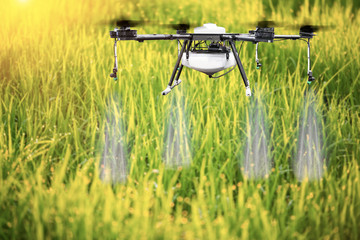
(55, 59)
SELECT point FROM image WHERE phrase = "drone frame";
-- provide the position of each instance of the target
(261, 34)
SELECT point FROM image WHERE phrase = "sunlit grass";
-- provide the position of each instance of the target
(55, 60)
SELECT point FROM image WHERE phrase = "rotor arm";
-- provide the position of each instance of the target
(122, 35)
(290, 37)
(162, 37)
(240, 37)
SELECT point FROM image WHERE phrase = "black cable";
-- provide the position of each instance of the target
(234, 65)
(304, 40)
(200, 42)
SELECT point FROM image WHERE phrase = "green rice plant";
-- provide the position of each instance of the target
(56, 99)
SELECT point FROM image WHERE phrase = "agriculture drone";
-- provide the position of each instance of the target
(210, 49)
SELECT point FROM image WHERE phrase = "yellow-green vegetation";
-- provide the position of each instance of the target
(55, 60)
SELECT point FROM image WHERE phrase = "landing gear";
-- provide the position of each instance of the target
(241, 68)
(177, 69)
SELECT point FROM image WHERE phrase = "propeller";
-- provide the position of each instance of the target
(264, 24)
(307, 28)
(123, 22)
(185, 25)
(182, 25)
(304, 28)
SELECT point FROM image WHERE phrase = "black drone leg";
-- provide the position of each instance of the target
(241, 68)
(177, 81)
(176, 68)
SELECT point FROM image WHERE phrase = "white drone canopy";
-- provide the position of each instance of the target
(209, 28)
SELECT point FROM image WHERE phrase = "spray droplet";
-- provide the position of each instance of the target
(309, 163)
(257, 163)
(177, 148)
(113, 166)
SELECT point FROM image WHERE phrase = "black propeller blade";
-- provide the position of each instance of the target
(314, 28)
(307, 27)
(184, 25)
(123, 22)
(129, 23)
(304, 28)
(264, 24)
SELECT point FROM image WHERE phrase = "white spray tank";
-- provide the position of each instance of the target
(209, 62)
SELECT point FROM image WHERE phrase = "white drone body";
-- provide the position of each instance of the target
(209, 63)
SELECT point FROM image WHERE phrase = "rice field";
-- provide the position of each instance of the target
(85, 157)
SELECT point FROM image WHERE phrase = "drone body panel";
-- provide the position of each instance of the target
(209, 28)
(208, 63)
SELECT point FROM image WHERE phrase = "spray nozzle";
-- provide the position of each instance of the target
(311, 78)
(113, 74)
(248, 91)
